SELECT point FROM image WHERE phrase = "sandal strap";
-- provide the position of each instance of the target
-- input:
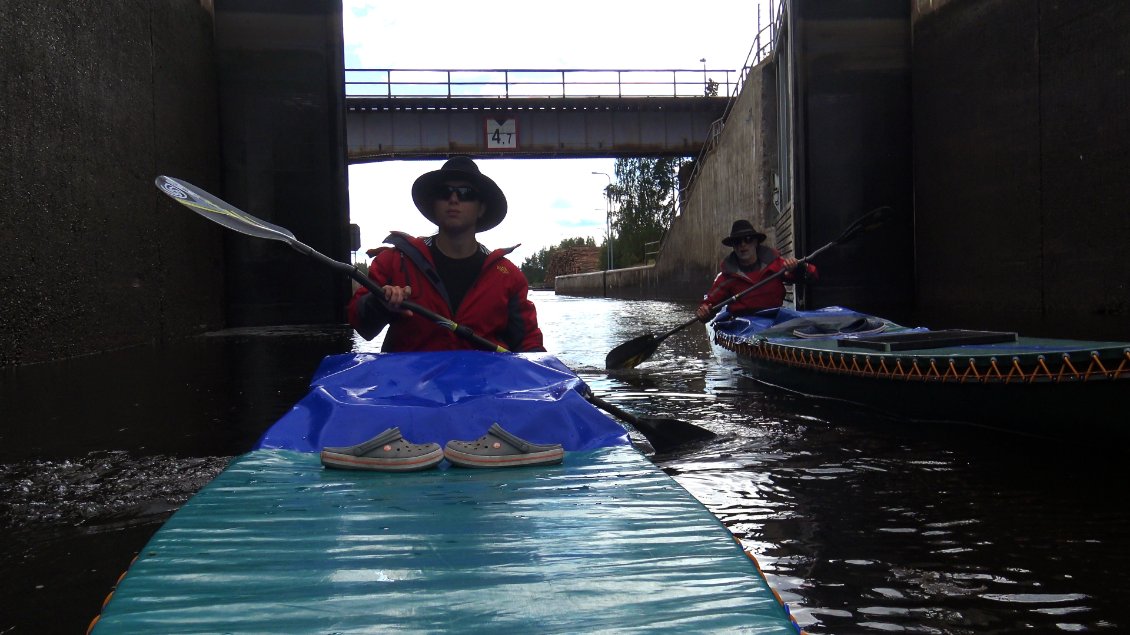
(361, 449)
(518, 442)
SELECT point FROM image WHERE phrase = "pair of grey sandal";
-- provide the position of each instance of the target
(391, 452)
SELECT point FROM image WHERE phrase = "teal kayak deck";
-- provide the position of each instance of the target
(605, 542)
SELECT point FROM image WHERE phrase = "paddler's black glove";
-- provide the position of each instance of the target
(373, 314)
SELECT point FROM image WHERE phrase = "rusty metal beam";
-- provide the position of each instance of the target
(379, 129)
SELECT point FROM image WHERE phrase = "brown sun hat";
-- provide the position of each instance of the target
(741, 229)
(461, 168)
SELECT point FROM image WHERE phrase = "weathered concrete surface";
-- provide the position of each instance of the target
(1022, 147)
(828, 117)
(853, 150)
(282, 116)
(1007, 138)
(732, 183)
(96, 99)
(634, 282)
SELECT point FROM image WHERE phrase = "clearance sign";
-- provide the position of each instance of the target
(501, 134)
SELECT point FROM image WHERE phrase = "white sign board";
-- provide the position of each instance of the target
(502, 134)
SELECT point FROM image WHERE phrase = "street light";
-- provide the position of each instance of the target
(704, 80)
(608, 214)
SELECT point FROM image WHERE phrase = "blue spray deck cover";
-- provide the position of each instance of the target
(764, 323)
(437, 397)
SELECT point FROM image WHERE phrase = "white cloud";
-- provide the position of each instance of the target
(549, 199)
(444, 34)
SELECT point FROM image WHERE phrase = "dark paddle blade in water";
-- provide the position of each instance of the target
(669, 434)
(632, 353)
(663, 434)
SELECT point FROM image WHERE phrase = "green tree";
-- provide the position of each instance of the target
(644, 198)
(534, 266)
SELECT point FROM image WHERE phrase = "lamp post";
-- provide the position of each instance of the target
(608, 214)
(704, 80)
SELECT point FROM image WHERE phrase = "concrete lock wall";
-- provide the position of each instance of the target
(1022, 147)
(853, 148)
(731, 183)
(1006, 138)
(282, 113)
(841, 130)
(98, 98)
(101, 97)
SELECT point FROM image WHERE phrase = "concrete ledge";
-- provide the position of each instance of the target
(635, 282)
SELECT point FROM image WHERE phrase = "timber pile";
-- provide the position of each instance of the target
(572, 260)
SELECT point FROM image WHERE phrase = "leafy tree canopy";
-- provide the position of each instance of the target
(644, 200)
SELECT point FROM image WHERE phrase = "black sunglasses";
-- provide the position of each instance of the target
(746, 239)
(462, 192)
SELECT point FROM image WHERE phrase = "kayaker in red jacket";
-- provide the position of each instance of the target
(450, 273)
(749, 263)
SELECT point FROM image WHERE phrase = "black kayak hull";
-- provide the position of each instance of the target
(1045, 387)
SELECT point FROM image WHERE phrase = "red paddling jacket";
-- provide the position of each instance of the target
(495, 307)
(731, 280)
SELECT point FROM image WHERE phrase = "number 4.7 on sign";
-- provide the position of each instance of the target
(502, 134)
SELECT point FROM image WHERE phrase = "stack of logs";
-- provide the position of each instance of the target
(572, 260)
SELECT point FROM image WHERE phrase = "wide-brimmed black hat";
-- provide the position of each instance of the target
(741, 229)
(461, 168)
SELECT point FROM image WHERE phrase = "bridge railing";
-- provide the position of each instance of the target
(519, 83)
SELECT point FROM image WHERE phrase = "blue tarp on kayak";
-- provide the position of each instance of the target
(437, 397)
(783, 322)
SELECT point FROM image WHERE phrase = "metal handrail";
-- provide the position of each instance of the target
(392, 83)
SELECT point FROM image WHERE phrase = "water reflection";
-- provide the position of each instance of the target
(864, 527)
(862, 523)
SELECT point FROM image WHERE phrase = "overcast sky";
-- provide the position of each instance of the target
(549, 199)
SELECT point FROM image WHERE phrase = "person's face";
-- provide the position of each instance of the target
(456, 207)
(746, 249)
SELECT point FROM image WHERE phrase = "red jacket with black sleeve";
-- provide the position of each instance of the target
(731, 280)
(495, 307)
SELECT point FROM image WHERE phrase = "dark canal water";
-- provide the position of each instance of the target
(865, 525)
